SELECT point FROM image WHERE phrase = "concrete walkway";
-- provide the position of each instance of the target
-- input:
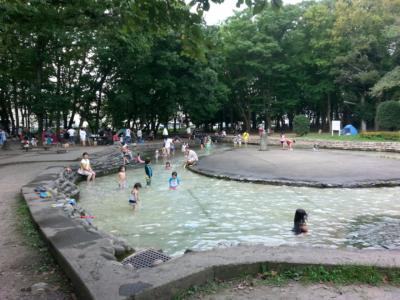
(17, 272)
(303, 167)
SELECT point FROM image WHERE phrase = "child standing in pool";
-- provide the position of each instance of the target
(167, 165)
(173, 181)
(134, 196)
(122, 177)
(148, 171)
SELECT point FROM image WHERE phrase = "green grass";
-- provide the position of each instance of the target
(335, 137)
(44, 264)
(338, 275)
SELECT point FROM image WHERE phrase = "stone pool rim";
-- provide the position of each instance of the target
(231, 173)
(87, 257)
(297, 183)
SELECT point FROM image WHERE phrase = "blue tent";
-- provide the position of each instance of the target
(349, 130)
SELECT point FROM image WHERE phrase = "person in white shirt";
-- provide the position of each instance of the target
(71, 133)
(139, 135)
(82, 136)
(128, 136)
(191, 157)
(167, 146)
(165, 133)
(85, 169)
(188, 132)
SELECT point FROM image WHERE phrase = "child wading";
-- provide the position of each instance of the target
(300, 221)
(174, 181)
(134, 196)
(121, 177)
(149, 172)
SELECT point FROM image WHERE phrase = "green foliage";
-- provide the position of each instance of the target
(388, 83)
(301, 125)
(387, 115)
(145, 62)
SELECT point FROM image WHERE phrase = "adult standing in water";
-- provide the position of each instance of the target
(191, 157)
(128, 138)
(261, 128)
(139, 135)
(165, 132)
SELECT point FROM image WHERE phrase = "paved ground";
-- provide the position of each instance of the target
(306, 167)
(296, 291)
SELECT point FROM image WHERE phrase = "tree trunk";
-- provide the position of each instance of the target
(16, 106)
(329, 112)
(13, 130)
(363, 123)
(376, 125)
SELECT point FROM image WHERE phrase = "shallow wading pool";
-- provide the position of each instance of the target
(204, 213)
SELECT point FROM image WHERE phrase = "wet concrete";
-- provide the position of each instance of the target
(302, 168)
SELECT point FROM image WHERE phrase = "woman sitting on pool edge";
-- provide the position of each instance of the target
(300, 221)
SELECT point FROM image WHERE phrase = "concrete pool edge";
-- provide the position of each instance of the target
(295, 183)
(373, 146)
(87, 257)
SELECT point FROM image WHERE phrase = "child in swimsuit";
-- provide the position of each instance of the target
(134, 196)
(167, 165)
(300, 221)
(121, 177)
(283, 138)
(148, 171)
(290, 143)
(174, 181)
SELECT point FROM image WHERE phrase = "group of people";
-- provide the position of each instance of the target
(85, 169)
(191, 158)
(173, 181)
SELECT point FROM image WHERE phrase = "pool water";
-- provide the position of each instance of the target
(204, 213)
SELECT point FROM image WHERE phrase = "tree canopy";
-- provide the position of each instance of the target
(143, 63)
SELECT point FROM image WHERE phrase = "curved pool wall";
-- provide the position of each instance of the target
(88, 258)
(329, 144)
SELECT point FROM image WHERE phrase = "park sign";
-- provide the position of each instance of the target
(336, 126)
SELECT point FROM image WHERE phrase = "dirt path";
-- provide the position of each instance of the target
(18, 271)
(297, 291)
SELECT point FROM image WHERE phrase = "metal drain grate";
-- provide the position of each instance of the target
(145, 259)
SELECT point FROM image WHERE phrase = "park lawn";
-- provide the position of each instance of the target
(335, 137)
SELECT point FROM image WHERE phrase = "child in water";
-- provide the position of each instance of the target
(167, 165)
(157, 154)
(138, 159)
(173, 181)
(121, 177)
(134, 196)
(149, 171)
(300, 221)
